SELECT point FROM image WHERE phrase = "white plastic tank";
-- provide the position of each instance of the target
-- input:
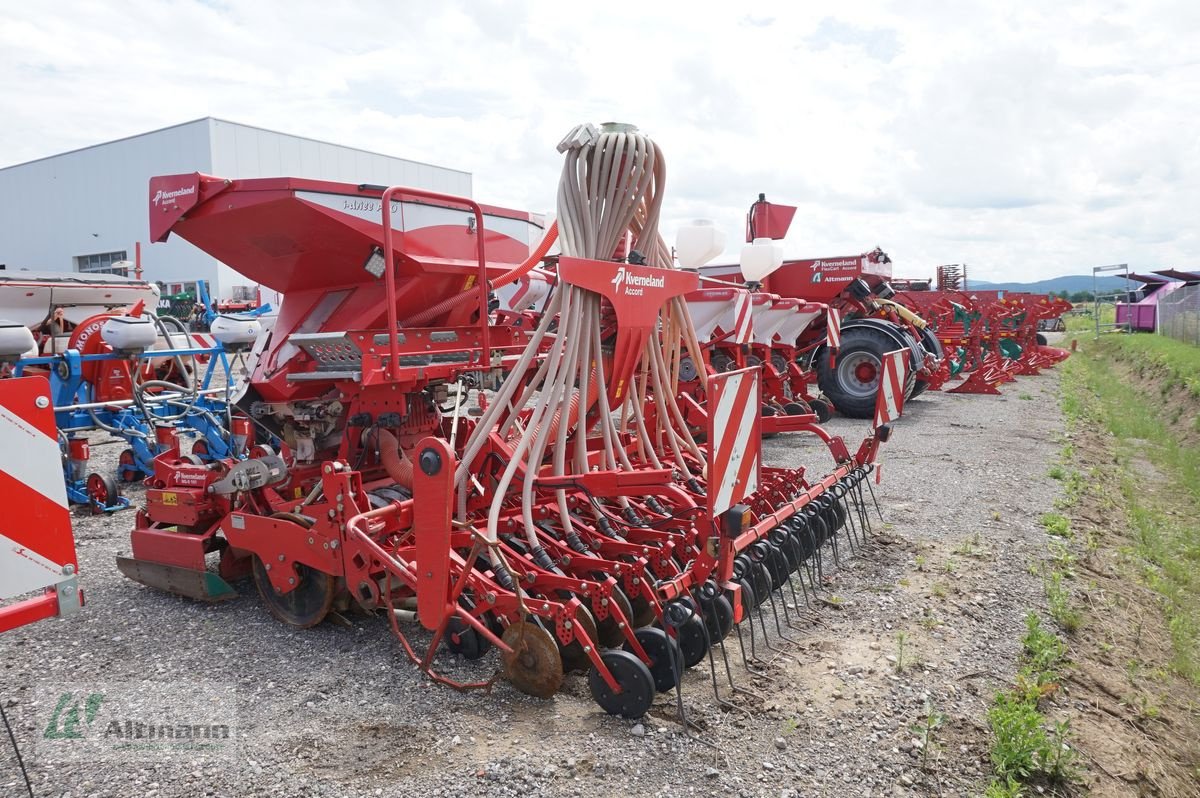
(15, 340)
(129, 333)
(698, 243)
(235, 331)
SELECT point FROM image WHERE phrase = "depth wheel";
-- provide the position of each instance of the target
(666, 660)
(822, 408)
(643, 612)
(102, 492)
(309, 601)
(127, 468)
(463, 640)
(609, 632)
(574, 658)
(534, 665)
(637, 685)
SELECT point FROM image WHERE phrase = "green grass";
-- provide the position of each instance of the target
(1161, 507)
(1058, 599)
(1057, 525)
(1025, 748)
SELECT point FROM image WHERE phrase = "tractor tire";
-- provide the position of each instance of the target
(853, 382)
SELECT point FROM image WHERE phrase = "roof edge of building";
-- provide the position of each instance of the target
(211, 119)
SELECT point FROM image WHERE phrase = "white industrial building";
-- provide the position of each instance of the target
(87, 209)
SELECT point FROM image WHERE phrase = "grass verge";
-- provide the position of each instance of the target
(1111, 383)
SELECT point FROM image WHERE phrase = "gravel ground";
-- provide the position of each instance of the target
(337, 710)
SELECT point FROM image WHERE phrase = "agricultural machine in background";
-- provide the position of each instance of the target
(137, 376)
(980, 337)
(518, 474)
(843, 348)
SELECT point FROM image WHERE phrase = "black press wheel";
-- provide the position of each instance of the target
(666, 660)
(102, 492)
(637, 685)
(853, 381)
(690, 632)
(822, 409)
(1041, 339)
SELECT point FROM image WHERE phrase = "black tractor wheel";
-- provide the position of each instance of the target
(853, 382)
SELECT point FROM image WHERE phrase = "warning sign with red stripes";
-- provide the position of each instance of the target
(742, 328)
(734, 438)
(37, 549)
(833, 328)
(890, 401)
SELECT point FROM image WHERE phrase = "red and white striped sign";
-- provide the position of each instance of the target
(734, 438)
(833, 334)
(833, 329)
(203, 340)
(37, 549)
(742, 327)
(889, 403)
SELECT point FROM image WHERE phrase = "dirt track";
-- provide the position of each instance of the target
(337, 710)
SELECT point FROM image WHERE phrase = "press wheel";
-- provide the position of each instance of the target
(636, 682)
(102, 492)
(534, 665)
(306, 604)
(693, 639)
(666, 660)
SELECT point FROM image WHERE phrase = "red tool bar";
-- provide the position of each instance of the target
(389, 256)
(772, 520)
(29, 610)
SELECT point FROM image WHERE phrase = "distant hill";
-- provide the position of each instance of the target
(1069, 283)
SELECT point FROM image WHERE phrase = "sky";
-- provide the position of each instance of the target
(1026, 139)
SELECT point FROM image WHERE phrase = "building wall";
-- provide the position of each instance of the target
(95, 200)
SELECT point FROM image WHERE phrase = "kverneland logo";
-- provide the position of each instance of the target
(166, 196)
(844, 263)
(642, 281)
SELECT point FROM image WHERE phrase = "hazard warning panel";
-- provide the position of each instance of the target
(37, 549)
(735, 439)
(889, 402)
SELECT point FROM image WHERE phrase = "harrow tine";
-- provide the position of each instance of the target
(671, 625)
(753, 654)
(732, 685)
(874, 499)
(860, 505)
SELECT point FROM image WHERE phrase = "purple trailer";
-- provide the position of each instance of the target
(1142, 315)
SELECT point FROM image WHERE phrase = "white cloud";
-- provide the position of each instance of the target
(1026, 139)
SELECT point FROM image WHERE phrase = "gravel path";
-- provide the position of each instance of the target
(337, 711)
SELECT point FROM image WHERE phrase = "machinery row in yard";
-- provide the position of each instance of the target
(554, 455)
